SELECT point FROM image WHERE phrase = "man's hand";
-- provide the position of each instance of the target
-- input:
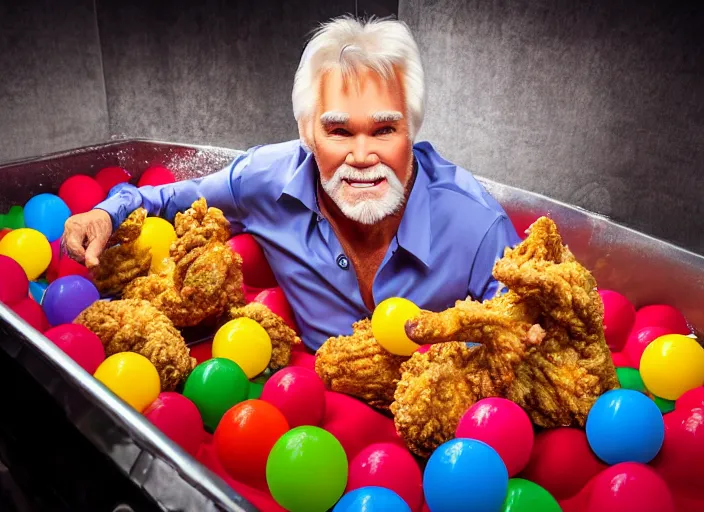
(85, 236)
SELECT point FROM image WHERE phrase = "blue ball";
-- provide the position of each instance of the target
(624, 425)
(37, 290)
(47, 213)
(465, 474)
(371, 499)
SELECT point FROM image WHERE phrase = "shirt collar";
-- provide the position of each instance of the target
(303, 182)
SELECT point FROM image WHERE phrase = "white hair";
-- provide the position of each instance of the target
(350, 44)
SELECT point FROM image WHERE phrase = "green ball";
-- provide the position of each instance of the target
(307, 470)
(13, 219)
(215, 386)
(629, 378)
(665, 406)
(526, 496)
(255, 390)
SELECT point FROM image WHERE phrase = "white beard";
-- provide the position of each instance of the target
(366, 211)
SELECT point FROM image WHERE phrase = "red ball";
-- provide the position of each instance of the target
(80, 344)
(70, 267)
(503, 425)
(245, 436)
(32, 313)
(681, 459)
(256, 271)
(108, 177)
(390, 466)
(202, 351)
(298, 393)
(661, 315)
(301, 357)
(156, 175)
(178, 418)
(81, 193)
(639, 340)
(3, 232)
(562, 462)
(619, 316)
(275, 300)
(423, 349)
(52, 271)
(692, 399)
(620, 360)
(14, 285)
(629, 486)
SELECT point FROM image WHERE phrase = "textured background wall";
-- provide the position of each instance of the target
(599, 104)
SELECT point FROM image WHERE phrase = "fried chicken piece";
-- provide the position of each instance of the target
(205, 278)
(137, 326)
(553, 298)
(123, 260)
(358, 366)
(281, 335)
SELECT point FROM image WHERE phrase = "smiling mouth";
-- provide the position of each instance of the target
(364, 184)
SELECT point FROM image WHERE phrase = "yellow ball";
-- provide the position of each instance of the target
(158, 235)
(672, 365)
(245, 342)
(389, 325)
(29, 248)
(132, 377)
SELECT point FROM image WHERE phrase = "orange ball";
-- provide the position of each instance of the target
(244, 437)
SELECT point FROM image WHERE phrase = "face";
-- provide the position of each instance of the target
(361, 145)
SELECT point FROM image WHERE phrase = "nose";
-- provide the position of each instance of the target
(361, 154)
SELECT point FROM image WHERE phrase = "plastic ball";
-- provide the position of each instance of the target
(298, 393)
(620, 360)
(665, 406)
(156, 175)
(661, 315)
(178, 418)
(275, 300)
(307, 470)
(132, 377)
(681, 460)
(13, 219)
(389, 325)
(245, 436)
(215, 386)
(464, 471)
(629, 378)
(81, 193)
(67, 297)
(37, 290)
(4, 232)
(371, 499)
(14, 284)
(32, 313)
(29, 248)
(691, 399)
(255, 390)
(562, 462)
(245, 342)
(625, 425)
(256, 271)
(108, 177)
(503, 425)
(80, 344)
(640, 339)
(157, 235)
(672, 365)
(629, 486)
(389, 466)
(526, 496)
(619, 316)
(47, 213)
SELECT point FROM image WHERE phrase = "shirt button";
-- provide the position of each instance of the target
(343, 262)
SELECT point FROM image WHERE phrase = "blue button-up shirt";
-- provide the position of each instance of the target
(449, 238)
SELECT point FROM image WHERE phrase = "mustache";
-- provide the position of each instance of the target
(376, 172)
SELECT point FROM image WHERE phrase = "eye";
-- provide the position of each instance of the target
(340, 132)
(386, 130)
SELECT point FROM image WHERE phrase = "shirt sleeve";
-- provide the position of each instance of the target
(220, 189)
(501, 234)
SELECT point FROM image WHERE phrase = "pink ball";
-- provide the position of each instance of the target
(629, 486)
(562, 462)
(298, 393)
(156, 175)
(619, 315)
(694, 398)
(301, 357)
(256, 271)
(620, 360)
(32, 313)
(80, 344)
(108, 177)
(638, 340)
(661, 315)
(390, 466)
(423, 349)
(275, 300)
(14, 285)
(681, 458)
(81, 193)
(178, 418)
(503, 425)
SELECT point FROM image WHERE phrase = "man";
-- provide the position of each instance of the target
(353, 212)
